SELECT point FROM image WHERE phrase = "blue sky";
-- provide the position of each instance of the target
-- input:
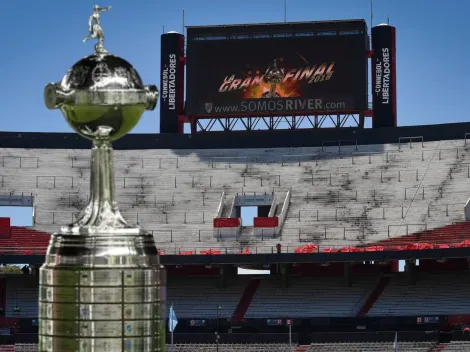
(42, 39)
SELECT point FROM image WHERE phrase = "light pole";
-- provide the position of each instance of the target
(217, 336)
(289, 323)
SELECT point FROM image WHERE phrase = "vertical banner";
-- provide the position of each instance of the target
(171, 82)
(384, 92)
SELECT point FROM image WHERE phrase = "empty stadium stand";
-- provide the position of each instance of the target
(446, 295)
(309, 297)
(21, 293)
(455, 235)
(341, 195)
(199, 297)
(456, 346)
(229, 348)
(306, 297)
(371, 347)
(24, 241)
(26, 347)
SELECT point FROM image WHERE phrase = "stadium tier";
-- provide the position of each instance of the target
(456, 346)
(371, 347)
(447, 295)
(230, 348)
(24, 347)
(306, 297)
(339, 196)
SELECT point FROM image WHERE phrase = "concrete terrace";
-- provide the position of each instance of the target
(341, 195)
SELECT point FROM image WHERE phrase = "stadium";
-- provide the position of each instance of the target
(362, 234)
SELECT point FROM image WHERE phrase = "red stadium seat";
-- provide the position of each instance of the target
(375, 248)
(308, 248)
(246, 250)
(211, 251)
(186, 253)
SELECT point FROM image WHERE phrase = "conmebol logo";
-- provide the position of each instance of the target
(208, 107)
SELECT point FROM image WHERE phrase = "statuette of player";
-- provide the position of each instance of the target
(95, 30)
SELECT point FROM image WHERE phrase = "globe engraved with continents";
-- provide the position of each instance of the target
(101, 97)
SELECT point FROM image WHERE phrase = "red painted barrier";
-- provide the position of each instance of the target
(5, 232)
(459, 319)
(5, 228)
(8, 322)
(266, 222)
(227, 222)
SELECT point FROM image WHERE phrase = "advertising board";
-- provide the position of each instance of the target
(276, 75)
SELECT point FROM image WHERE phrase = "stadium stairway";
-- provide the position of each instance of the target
(374, 295)
(439, 348)
(7, 348)
(246, 299)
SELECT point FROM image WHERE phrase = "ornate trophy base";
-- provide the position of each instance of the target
(101, 293)
(102, 287)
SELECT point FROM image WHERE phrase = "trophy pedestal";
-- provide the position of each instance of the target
(101, 286)
(102, 293)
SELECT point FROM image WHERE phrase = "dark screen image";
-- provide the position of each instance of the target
(276, 75)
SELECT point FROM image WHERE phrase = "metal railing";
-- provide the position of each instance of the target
(24, 162)
(53, 181)
(410, 140)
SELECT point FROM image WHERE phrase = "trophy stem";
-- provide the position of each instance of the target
(101, 215)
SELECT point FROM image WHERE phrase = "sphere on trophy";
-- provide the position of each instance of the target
(102, 96)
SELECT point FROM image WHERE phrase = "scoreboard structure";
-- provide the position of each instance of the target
(272, 76)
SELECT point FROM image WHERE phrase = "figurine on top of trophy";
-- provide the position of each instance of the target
(94, 28)
(101, 287)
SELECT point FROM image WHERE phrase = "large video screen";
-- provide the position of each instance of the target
(284, 75)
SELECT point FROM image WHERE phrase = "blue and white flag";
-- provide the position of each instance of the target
(172, 320)
(395, 343)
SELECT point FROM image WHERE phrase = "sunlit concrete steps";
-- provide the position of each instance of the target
(210, 172)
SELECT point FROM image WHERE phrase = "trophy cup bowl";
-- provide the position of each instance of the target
(101, 97)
